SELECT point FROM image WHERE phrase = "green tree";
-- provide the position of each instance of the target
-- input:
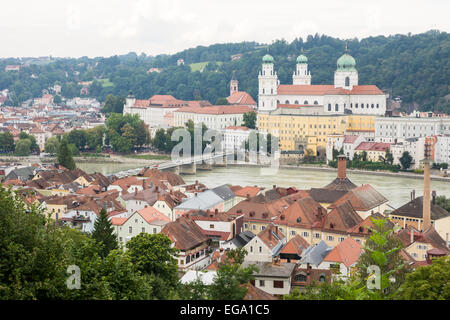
(152, 254)
(6, 141)
(382, 249)
(65, 156)
(57, 99)
(104, 233)
(222, 102)
(23, 147)
(23, 135)
(443, 202)
(113, 104)
(52, 145)
(249, 119)
(74, 150)
(406, 160)
(427, 282)
(77, 137)
(231, 280)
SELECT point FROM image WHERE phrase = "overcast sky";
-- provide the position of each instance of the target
(108, 27)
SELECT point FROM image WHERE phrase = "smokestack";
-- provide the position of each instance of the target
(426, 196)
(342, 166)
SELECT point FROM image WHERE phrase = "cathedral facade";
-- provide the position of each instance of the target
(345, 96)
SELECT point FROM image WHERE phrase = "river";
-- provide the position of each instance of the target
(396, 189)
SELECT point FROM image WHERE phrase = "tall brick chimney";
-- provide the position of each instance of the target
(426, 195)
(342, 166)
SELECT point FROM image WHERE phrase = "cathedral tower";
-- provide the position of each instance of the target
(301, 74)
(267, 85)
(346, 75)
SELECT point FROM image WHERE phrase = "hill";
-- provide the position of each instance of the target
(413, 67)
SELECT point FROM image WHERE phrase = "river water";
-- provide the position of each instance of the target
(396, 189)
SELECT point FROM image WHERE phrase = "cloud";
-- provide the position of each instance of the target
(100, 27)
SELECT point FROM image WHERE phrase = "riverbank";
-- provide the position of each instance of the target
(356, 171)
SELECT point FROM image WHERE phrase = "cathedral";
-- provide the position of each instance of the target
(345, 96)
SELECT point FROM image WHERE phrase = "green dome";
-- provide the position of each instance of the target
(267, 59)
(346, 62)
(302, 59)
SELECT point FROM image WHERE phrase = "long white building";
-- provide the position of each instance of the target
(391, 129)
(214, 117)
(343, 97)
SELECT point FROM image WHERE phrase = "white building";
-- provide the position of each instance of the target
(347, 142)
(214, 117)
(234, 138)
(147, 220)
(414, 146)
(390, 129)
(153, 110)
(344, 96)
(442, 149)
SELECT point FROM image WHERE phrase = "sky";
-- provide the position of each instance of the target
(108, 27)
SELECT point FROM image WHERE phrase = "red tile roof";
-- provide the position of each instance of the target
(346, 252)
(151, 215)
(241, 97)
(373, 146)
(233, 109)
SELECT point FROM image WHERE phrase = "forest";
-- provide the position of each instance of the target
(415, 68)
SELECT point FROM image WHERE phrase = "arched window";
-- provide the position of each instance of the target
(286, 102)
(296, 102)
(271, 91)
(351, 105)
(305, 102)
(329, 107)
(356, 106)
(336, 107)
(264, 91)
(347, 81)
(372, 105)
(315, 102)
(322, 278)
(362, 105)
(278, 101)
(378, 106)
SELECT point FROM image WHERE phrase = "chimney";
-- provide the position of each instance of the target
(426, 196)
(216, 211)
(433, 195)
(270, 233)
(248, 196)
(135, 191)
(274, 186)
(413, 194)
(156, 188)
(411, 240)
(276, 230)
(342, 166)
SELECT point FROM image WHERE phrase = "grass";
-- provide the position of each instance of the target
(149, 156)
(200, 65)
(106, 83)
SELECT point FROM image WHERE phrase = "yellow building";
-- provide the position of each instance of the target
(300, 132)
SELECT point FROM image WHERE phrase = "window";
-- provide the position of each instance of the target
(305, 234)
(130, 229)
(341, 239)
(322, 278)
(261, 283)
(181, 262)
(262, 228)
(287, 102)
(315, 102)
(211, 226)
(154, 230)
(278, 284)
(188, 259)
(260, 249)
(317, 235)
(292, 232)
(305, 102)
(300, 277)
(347, 81)
(143, 230)
(253, 227)
(245, 225)
(251, 248)
(329, 107)
(356, 105)
(336, 107)
(120, 239)
(330, 238)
